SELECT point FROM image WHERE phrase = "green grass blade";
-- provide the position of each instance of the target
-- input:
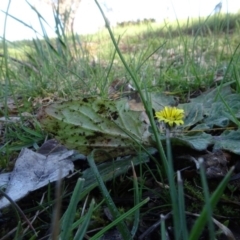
(181, 205)
(234, 118)
(37, 12)
(18, 232)
(69, 215)
(173, 190)
(136, 202)
(202, 220)
(163, 228)
(121, 218)
(82, 219)
(83, 228)
(207, 200)
(123, 229)
(150, 55)
(20, 21)
(32, 132)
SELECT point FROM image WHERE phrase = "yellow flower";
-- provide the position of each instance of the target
(171, 116)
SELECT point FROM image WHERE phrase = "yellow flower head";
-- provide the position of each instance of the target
(171, 116)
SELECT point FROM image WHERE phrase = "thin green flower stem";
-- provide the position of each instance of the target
(146, 104)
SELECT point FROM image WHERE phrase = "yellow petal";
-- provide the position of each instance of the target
(171, 115)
